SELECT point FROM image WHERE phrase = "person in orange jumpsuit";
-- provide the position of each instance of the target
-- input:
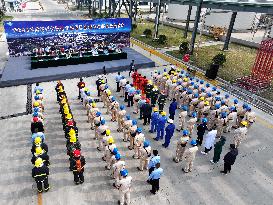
(138, 81)
(134, 76)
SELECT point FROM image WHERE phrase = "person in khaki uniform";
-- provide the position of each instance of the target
(132, 131)
(232, 117)
(181, 146)
(138, 143)
(189, 156)
(145, 153)
(221, 124)
(137, 97)
(126, 131)
(114, 109)
(191, 122)
(101, 132)
(240, 133)
(105, 140)
(120, 116)
(241, 111)
(117, 167)
(124, 187)
(250, 116)
(110, 150)
(92, 114)
(109, 100)
(97, 121)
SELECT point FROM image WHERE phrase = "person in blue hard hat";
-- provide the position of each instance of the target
(182, 118)
(221, 124)
(172, 108)
(201, 129)
(189, 156)
(169, 133)
(161, 126)
(124, 187)
(154, 120)
(154, 178)
(181, 146)
(145, 153)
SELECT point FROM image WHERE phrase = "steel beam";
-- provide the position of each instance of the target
(229, 32)
(188, 22)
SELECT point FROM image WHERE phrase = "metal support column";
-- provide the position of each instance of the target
(157, 18)
(119, 7)
(135, 14)
(100, 1)
(131, 11)
(230, 28)
(110, 8)
(195, 27)
(188, 22)
(105, 6)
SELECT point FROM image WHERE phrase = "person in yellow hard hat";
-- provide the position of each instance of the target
(40, 153)
(40, 173)
(240, 133)
(38, 143)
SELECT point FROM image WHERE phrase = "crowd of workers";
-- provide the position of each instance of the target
(200, 105)
(39, 150)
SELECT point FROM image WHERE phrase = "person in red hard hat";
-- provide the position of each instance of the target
(77, 164)
(36, 125)
(134, 76)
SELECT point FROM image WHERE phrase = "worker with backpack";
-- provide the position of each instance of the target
(78, 162)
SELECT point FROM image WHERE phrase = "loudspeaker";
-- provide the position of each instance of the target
(212, 72)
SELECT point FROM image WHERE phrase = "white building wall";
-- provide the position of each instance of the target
(271, 33)
(180, 12)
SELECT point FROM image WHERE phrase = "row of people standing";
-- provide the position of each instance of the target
(39, 150)
(73, 145)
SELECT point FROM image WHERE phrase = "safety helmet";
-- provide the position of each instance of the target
(124, 172)
(115, 151)
(98, 114)
(197, 80)
(206, 102)
(192, 83)
(196, 95)
(85, 89)
(193, 142)
(244, 123)
(36, 104)
(202, 98)
(223, 115)
(203, 89)
(163, 113)
(38, 162)
(63, 101)
(204, 120)
(139, 130)
(38, 150)
(128, 117)
(113, 99)
(103, 121)
(94, 104)
(69, 116)
(155, 109)
(189, 92)
(245, 105)
(146, 143)
(73, 138)
(35, 114)
(149, 82)
(107, 132)
(223, 102)
(71, 132)
(77, 153)
(70, 123)
(185, 132)
(106, 87)
(194, 114)
(209, 94)
(235, 101)
(195, 86)
(117, 156)
(121, 107)
(134, 122)
(232, 108)
(202, 81)
(226, 95)
(88, 93)
(185, 79)
(184, 107)
(110, 140)
(191, 78)
(35, 119)
(36, 97)
(109, 92)
(214, 88)
(207, 85)
(37, 140)
(184, 139)
(38, 91)
(217, 98)
(217, 106)
(35, 109)
(248, 108)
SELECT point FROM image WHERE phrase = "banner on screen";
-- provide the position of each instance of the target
(24, 36)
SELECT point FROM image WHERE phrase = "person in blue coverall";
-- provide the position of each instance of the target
(161, 126)
(154, 121)
(172, 108)
(169, 133)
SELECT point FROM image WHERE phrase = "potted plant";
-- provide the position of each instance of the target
(184, 47)
(217, 61)
(147, 32)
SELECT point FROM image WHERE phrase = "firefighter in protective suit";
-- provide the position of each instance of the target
(40, 173)
(77, 164)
